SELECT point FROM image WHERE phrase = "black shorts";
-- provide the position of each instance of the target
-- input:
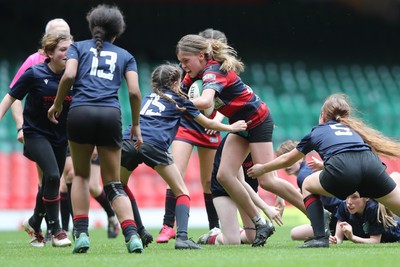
(150, 155)
(361, 171)
(260, 133)
(95, 125)
(217, 190)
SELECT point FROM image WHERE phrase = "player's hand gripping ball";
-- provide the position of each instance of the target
(195, 91)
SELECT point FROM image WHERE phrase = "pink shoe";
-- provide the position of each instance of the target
(166, 233)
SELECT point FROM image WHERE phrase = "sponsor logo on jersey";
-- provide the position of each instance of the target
(209, 76)
(213, 139)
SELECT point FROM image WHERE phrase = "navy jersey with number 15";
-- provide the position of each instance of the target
(99, 77)
(159, 118)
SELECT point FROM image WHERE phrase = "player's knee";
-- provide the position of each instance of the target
(114, 190)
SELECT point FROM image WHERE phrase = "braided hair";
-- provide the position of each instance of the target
(105, 23)
(163, 79)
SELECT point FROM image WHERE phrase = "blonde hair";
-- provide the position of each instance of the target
(286, 147)
(337, 107)
(163, 77)
(386, 217)
(57, 24)
(215, 49)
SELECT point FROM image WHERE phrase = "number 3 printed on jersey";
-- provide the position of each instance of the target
(111, 58)
(341, 130)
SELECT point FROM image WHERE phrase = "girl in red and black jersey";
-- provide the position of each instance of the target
(191, 134)
(216, 64)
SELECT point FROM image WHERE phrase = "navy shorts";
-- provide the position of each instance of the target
(95, 125)
(360, 171)
(217, 189)
(260, 133)
(150, 155)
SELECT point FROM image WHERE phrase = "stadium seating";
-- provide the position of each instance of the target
(294, 92)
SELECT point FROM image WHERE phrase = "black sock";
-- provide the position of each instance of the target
(69, 187)
(315, 213)
(213, 220)
(64, 210)
(135, 208)
(103, 201)
(81, 225)
(182, 216)
(52, 210)
(170, 204)
(39, 212)
(128, 229)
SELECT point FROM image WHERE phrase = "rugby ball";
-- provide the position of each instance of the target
(195, 91)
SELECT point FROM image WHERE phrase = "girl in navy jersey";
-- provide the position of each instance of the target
(160, 115)
(349, 151)
(95, 68)
(363, 220)
(216, 64)
(189, 135)
(44, 142)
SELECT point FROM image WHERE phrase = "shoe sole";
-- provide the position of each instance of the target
(81, 250)
(137, 249)
(165, 241)
(185, 248)
(62, 245)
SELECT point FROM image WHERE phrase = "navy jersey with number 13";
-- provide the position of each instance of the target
(111, 65)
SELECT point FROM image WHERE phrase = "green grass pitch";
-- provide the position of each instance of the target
(280, 251)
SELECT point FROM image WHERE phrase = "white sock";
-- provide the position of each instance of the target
(258, 220)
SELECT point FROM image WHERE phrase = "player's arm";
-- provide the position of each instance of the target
(66, 82)
(283, 161)
(347, 231)
(215, 125)
(135, 100)
(206, 99)
(339, 236)
(6, 104)
(272, 213)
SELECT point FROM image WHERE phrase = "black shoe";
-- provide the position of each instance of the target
(113, 227)
(186, 244)
(316, 242)
(146, 237)
(263, 231)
